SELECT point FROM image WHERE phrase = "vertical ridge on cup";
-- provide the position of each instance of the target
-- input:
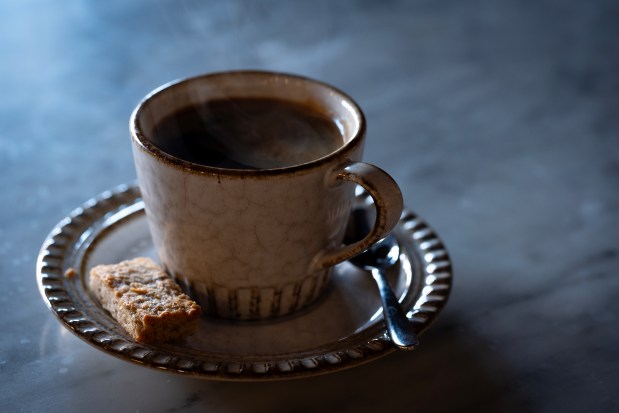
(256, 303)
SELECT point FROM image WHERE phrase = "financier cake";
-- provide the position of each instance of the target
(145, 300)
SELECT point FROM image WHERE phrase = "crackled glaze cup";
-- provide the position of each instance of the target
(256, 243)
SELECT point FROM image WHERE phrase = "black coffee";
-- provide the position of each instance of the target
(247, 133)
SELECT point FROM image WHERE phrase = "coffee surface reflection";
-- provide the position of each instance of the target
(247, 133)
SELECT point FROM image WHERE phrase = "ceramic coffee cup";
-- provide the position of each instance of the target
(256, 243)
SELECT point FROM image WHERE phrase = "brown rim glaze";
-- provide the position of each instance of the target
(341, 154)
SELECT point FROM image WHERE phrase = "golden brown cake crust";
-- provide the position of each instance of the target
(145, 300)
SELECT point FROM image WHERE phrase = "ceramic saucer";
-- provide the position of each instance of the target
(342, 330)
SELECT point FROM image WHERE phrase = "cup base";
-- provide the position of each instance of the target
(255, 303)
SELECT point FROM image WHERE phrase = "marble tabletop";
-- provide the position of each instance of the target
(499, 120)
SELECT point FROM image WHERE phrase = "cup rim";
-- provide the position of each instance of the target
(139, 138)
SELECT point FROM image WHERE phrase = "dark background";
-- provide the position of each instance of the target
(499, 119)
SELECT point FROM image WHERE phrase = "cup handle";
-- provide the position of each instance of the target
(387, 201)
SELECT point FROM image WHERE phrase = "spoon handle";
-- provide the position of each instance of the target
(399, 327)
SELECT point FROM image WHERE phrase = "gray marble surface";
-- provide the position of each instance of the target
(499, 119)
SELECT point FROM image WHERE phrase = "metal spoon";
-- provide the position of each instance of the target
(377, 259)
